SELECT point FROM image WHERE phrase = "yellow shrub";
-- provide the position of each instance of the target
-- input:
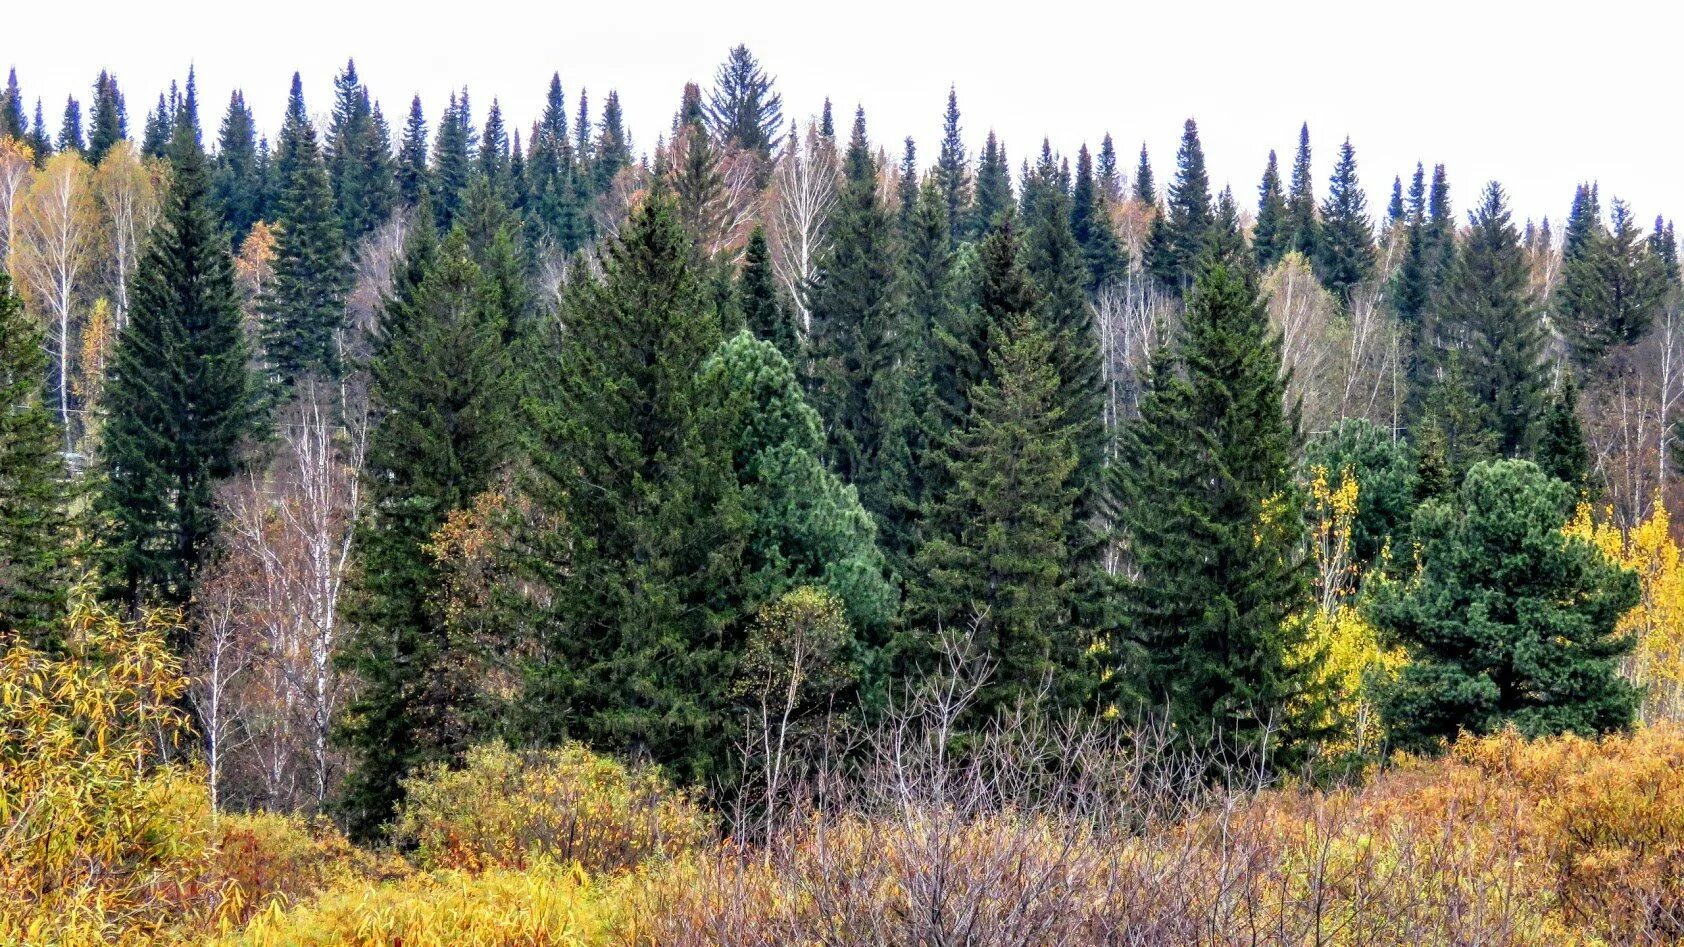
(545, 906)
(284, 859)
(507, 809)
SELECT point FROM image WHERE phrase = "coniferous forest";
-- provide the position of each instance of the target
(451, 527)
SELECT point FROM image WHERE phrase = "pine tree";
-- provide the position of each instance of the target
(1091, 225)
(412, 173)
(952, 168)
(1346, 247)
(1509, 621)
(1489, 315)
(1180, 234)
(1269, 236)
(859, 346)
(109, 122)
(236, 182)
(1303, 228)
(359, 158)
(1210, 520)
(178, 395)
(765, 314)
(743, 110)
(35, 536)
(1562, 452)
(1000, 552)
(70, 130)
(303, 307)
(443, 386)
(993, 189)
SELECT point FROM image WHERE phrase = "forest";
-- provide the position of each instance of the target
(490, 530)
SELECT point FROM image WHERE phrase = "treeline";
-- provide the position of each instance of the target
(456, 434)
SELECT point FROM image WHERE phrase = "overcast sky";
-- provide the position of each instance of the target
(1538, 95)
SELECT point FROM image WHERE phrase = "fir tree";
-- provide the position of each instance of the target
(1304, 229)
(359, 158)
(1562, 452)
(412, 173)
(1091, 226)
(109, 122)
(40, 142)
(444, 390)
(1210, 521)
(1345, 250)
(494, 150)
(1509, 621)
(952, 168)
(35, 535)
(613, 149)
(13, 123)
(1411, 286)
(1663, 246)
(1109, 175)
(178, 395)
(70, 130)
(236, 182)
(1611, 285)
(1269, 236)
(1180, 234)
(155, 140)
(763, 311)
(993, 188)
(303, 307)
(453, 160)
(743, 110)
(1145, 189)
(1000, 552)
(907, 185)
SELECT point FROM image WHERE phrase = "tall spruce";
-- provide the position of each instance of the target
(1345, 252)
(237, 187)
(952, 167)
(179, 397)
(764, 311)
(1090, 223)
(443, 389)
(453, 160)
(13, 123)
(993, 192)
(359, 157)
(412, 171)
(1180, 233)
(108, 120)
(743, 110)
(1145, 187)
(1270, 235)
(303, 307)
(1611, 285)
(1210, 619)
(70, 135)
(1303, 228)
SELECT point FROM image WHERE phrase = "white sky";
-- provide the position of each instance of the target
(1538, 94)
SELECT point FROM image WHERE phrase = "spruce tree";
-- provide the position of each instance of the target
(1562, 452)
(178, 395)
(1091, 225)
(1509, 620)
(70, 129)
(906, 192)
(952, 168)
(1269, 236)
(993, 193)
(155, 140)
(550, 171)
(1210, 623)
(303, 308)
(1304, 229)
(1489, 315)
(1180, 234)
(108, 123)
(1412, 284)
(35, 536)
(743, 110)
(1145, 188)
(444, 392)
(494, 151)
(453, 160)
(763, 311)
(412, 170)
(236, 182)
(1000, 553)
(1345, 254)
(13, 123)
(1109, 175)
(359, 158)
(1611, 285)
(40, 142)
(860, 344)
(612, 149)
(1663, 246)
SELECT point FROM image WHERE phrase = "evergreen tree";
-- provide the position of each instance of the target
(443, 386)
(743, 111)
(155, 140)
(453, 160)
(178, 395)
(765, 314)
(70, 130)
(993, 188)
(1509, 621)
(1489, 315)
(1395, 211)
(1562, 452)
(1663, 246)
(494, 151)
(1110, 176)
(1226, 243)
(13, 123)
(1269, 236)
(1611, 285)
(860, 344)
(303, 307)
(359, 158)
(1304, 229)
(40, 142)
(1181, 233)
(952, 168)
(35, 536)
(1386, 472)
(612, 150)
(907, 185)
(1000, 553)
(1411, 286)
(237, 188)
(109, 122)
(412, 171)
(1145, 189)
(1346, 246)
(1091, 225)
(1211, 523)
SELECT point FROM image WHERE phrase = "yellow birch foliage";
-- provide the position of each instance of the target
(1657, 663)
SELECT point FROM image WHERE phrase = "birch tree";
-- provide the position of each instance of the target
(803, 195)
(54, 251)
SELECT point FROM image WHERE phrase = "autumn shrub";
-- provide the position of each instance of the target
(508, 809)
(277, 859)
(99, 838)
(543, 906)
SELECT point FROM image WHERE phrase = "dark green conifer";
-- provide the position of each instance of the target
(237, 187)
(952, 167)
(109, 122)
(13, 123)
(1090, 223)
(453, 160)
(1345, 254)
(743, 111)
(1562, 452)
(70, 130)
(1181, 233)
(1304, 229)
(763, 311)
(412, 170)
(1269, 236)
(993, 188)
(359, 158)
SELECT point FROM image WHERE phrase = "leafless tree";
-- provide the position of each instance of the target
(803, 194)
